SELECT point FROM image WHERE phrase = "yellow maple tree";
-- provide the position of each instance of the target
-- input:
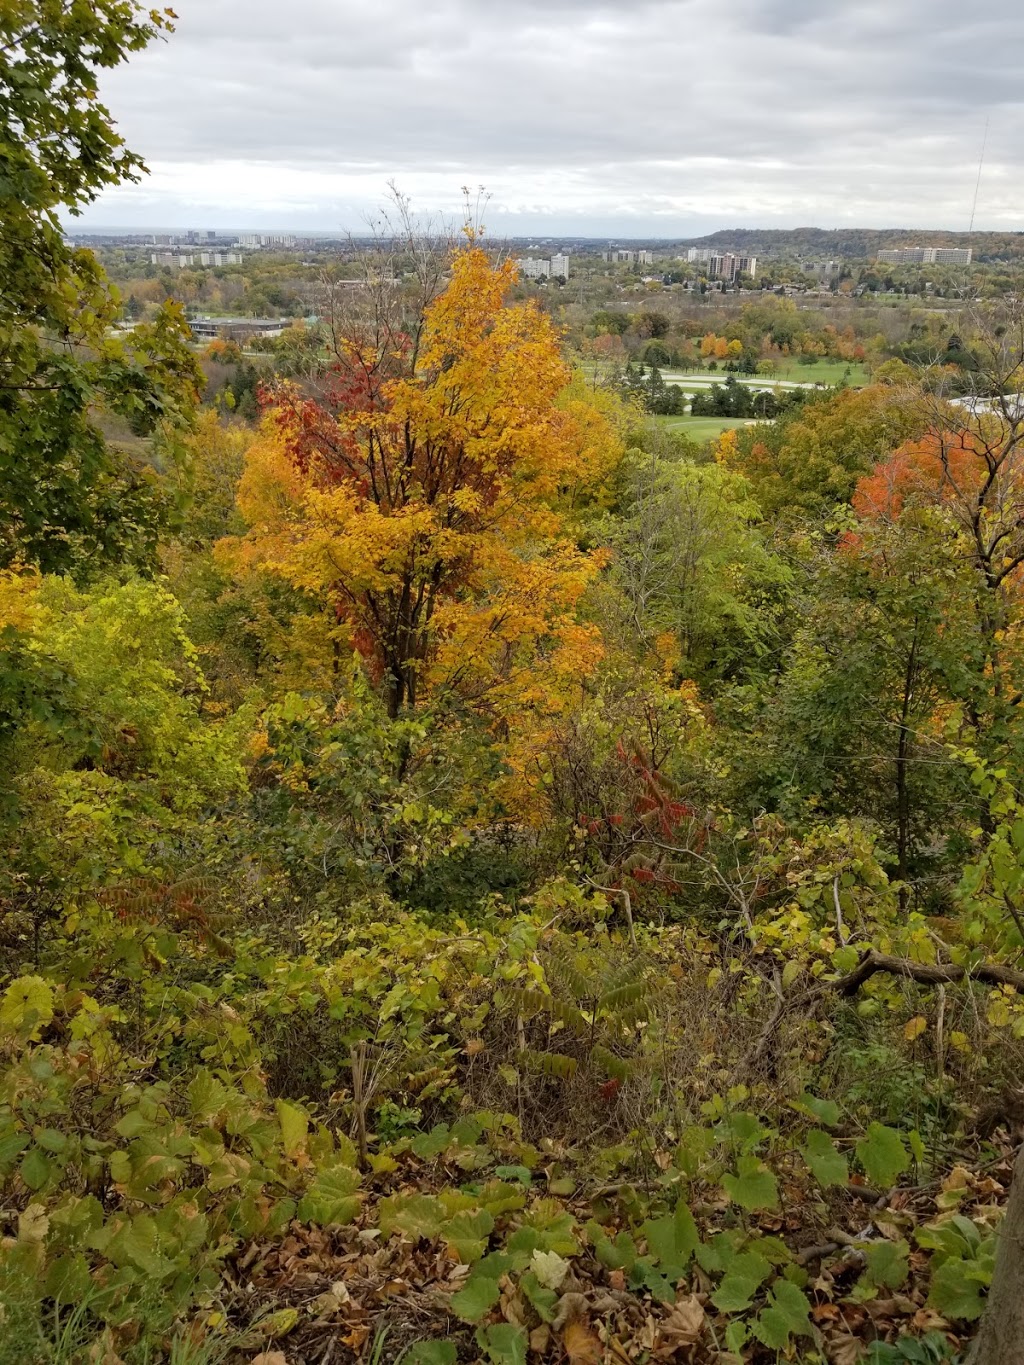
(434, 511)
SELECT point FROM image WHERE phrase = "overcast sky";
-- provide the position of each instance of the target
(632, 117)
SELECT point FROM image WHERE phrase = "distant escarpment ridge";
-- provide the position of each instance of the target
(858, 242)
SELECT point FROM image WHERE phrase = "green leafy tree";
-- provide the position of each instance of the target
(71, 498)
(691, 562)
(884, 648)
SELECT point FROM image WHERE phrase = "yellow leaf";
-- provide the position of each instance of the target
(581, 1346)
(915, 1027)
(294, 1127)
(790, 972)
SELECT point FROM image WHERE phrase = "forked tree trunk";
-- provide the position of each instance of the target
(1001, 1339)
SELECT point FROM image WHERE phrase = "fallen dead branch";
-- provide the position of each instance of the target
(871, 963)
(927, 973)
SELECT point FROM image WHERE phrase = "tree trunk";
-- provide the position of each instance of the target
(1001, 1339)
(902, 788)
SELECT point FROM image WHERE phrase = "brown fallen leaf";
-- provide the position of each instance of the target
(581, 1346)
(270, 1358)
(683, 1326)
(825, 1312)
(102, 1352)
(571, 1308)
(927, 1320)
(846, 1352)
(540, 1338)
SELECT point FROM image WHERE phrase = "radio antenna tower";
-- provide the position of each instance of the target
(977, 183)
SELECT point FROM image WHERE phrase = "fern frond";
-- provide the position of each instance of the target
(615, 1000)
(631, 970)
(569, 974)
(616, 1067)
(527, 1001)
(631, 1014)
(530, 1003)
(554, 1064)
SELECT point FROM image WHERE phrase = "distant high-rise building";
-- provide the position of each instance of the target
(728, 266)
(699, 255)
(645, 257)
(534, 268)
(560, 266)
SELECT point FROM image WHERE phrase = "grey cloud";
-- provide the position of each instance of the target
(654, 109)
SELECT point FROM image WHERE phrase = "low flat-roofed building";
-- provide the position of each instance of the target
(236, 329)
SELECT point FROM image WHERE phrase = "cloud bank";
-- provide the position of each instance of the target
(639, 117)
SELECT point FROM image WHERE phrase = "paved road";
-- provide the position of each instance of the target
(757, 381)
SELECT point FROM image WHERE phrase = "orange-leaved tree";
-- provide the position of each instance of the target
(432, 507)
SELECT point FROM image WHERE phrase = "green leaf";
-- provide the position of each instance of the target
(617, 1255)
(415, 1215)
(659, 1286)
(882, 1154)
(954, 1295)
(428, 1145)
(467, 1234)
(744, 1276)
(737, 1334)
(497, 1197)
(477, 1297)
(503, 1343)
(825, 1111)
(828, 1166)
(68, 1279)
(545, 1301)
(431, 1353)
(521, 1173)
(557, 1228)
(886, 1263)
(787, 1314)
(330, 1198)
(51, 1140)
(26, 1007)
(753, 1187)
(11, 1147)
(673, 1239)
(744, 1130)
(36, 1169)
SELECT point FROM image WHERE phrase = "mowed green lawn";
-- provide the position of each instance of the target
(700, 429)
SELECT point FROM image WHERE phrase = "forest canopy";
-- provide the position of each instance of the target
(483, 876)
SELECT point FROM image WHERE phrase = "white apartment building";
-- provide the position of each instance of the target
(560, 266)
(926, 255)
(178, 260)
